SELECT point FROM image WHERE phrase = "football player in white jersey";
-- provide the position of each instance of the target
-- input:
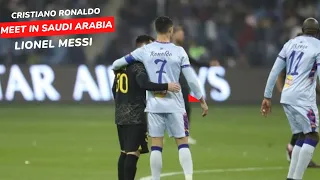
(300, 56)
(294, 137)
(280, 83)
(166, 110)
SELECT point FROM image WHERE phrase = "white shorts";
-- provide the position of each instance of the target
(176, 124)
(302, 119)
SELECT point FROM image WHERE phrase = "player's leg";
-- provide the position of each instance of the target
(123, 155)
(185, 92)
(295, 156)
(156, 128)
(178, 127)
(130, 165)
(135, 143)
(309, 120)
(290, 146)
(289, 149)
(305, 155)
(296, 129)
(121, 162)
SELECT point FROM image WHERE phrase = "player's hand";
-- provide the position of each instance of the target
(204, 107)
(174, 87)
(265, 107)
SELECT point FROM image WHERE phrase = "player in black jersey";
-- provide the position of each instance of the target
(129, 91)
(178, 39)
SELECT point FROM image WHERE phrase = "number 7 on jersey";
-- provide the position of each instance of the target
(160, 71)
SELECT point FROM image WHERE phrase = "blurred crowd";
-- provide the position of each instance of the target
(237, 33)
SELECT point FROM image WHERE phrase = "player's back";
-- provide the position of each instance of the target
(129, 97)
(163, 62)
(300, 56)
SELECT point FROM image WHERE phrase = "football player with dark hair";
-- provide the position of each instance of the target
(129, 91)
(164, 62)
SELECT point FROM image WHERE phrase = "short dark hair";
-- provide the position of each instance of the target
(163, 24)
(144, 39)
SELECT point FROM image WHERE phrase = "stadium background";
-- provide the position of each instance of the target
(72, 135)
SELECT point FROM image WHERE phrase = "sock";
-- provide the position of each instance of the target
(121, 162)
(156, 162)
(130, 166)
(305, 157)
(186, 160)
(294, 158)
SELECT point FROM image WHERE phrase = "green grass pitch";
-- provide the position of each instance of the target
(79, 142)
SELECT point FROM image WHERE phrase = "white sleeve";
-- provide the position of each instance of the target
(276, 69)
(136, 55)
(282, 53)
(192, 80)
(278, 66)
(184, 59)
(190, 75)
(117, 64)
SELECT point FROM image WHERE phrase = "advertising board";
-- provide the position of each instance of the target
(43, 83)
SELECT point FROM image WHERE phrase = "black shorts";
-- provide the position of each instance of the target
(133, 138)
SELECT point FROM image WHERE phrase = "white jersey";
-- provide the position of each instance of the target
(301, 67)
(164, 62)
(300, 56)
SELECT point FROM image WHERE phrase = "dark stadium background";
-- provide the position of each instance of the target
(70, 139)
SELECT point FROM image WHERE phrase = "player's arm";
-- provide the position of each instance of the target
(192, 80)
(142, 79)
(280, 80)
(136, 55)
(278, 66)
(190, 75)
